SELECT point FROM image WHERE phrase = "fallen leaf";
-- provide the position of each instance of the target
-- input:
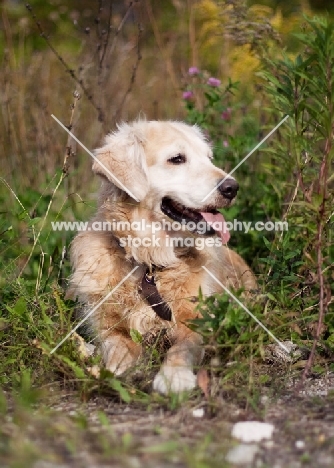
(203, 381)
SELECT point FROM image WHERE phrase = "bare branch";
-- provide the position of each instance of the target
(66, 66)
(133, 76)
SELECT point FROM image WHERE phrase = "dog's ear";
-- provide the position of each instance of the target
(122, 160)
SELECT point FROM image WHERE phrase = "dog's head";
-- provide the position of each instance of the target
(167, 166)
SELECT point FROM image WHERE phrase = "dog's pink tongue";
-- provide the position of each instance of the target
(218, 223)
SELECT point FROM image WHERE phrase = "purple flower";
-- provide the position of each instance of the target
(213, 82)
(225, 143)
(187, 95)
(193, 71)
(226, 115)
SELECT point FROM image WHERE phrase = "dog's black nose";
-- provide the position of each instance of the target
(229, 188)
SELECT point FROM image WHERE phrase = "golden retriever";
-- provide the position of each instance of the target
(156, 178)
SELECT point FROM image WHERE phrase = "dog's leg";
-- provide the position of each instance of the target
(119, 352)
(176, 374)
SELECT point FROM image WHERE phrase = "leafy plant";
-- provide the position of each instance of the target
(297, 274)
(304, 89)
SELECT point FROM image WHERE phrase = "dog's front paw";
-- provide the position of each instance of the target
(172, 379)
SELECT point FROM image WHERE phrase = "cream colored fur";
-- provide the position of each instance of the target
(137, 155)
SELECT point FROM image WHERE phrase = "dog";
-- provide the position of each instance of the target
(158, 185)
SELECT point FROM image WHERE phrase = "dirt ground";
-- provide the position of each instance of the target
(104, 432)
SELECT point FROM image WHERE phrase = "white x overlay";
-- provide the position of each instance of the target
(94, 309)
(135, 268)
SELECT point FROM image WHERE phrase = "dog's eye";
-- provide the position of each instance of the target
(179, 159)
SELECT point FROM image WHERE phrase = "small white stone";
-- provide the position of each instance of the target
(242, 454)
(300, 444)
(252, 431)
(198, 413)
(264, 399)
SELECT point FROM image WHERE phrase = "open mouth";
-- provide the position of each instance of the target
(215, 222)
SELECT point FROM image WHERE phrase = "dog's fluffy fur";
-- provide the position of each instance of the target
(139, 156)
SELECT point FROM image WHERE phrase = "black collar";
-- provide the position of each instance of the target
(151, 294)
